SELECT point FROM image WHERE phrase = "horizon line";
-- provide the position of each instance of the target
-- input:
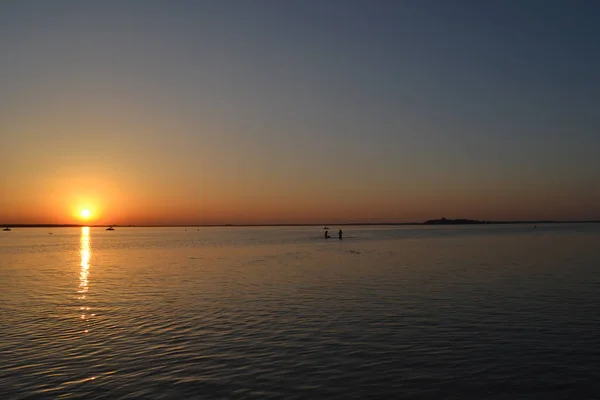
(477, 222)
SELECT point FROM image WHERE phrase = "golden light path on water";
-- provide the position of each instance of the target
(85, 252)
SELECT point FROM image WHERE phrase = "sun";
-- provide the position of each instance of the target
(85, 213)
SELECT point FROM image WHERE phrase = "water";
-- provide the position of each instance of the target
(497, 312)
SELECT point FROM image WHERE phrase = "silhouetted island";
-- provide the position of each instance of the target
(460, 221)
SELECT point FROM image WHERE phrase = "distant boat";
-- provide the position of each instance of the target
(7, 229)
(110, 228)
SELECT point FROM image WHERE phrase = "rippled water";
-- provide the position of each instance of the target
(389, 312)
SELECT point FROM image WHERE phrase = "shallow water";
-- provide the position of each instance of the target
(389, 312)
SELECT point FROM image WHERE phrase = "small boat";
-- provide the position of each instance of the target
(110, 228)
(7, 229)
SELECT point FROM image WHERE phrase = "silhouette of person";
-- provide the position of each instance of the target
(340, 233)
(326, 234)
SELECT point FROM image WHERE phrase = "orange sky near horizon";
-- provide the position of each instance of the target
(114, 199)
(152, 182)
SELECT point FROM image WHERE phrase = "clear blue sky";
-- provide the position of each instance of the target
(299, 111)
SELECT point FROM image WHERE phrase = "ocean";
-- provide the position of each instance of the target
(389, 312)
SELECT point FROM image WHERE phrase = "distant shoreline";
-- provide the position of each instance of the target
(426, 223)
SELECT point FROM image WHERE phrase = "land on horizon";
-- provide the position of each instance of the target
(441, 221)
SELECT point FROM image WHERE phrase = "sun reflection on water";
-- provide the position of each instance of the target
(85, 252)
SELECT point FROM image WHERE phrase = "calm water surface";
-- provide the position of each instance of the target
(495, 312)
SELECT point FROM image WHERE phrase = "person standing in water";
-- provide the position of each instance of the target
(326, 234)
(340, 233)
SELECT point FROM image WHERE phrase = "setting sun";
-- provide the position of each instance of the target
(85, 213)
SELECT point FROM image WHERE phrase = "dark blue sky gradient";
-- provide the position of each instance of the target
(415, 109)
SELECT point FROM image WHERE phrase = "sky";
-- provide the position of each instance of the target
(312, 111)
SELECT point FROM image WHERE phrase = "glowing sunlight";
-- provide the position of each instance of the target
(85, 213)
